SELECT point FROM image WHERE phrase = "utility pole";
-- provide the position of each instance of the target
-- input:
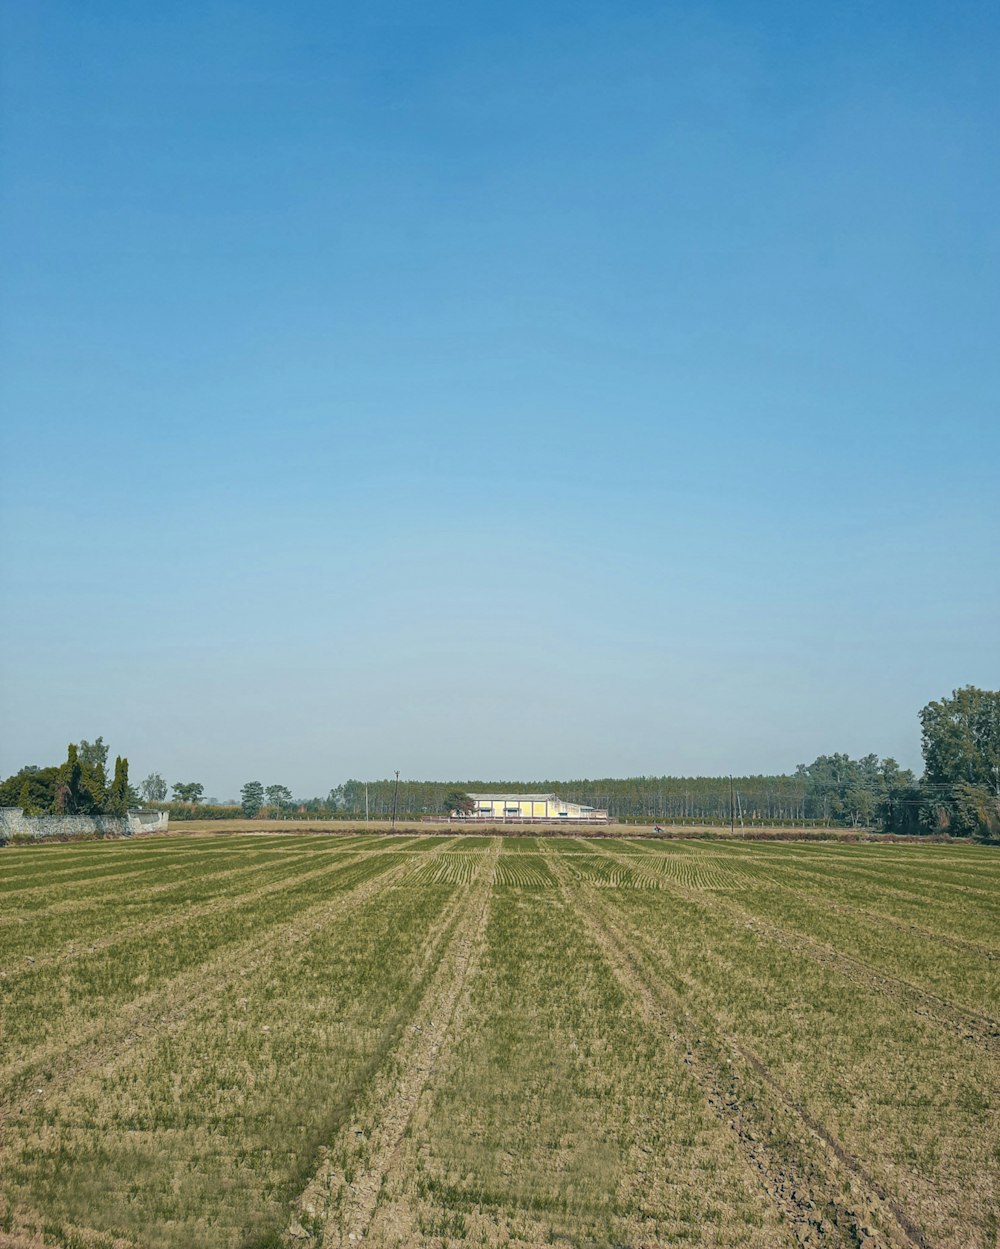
(395, 794)
(366, 802)
(732, 806)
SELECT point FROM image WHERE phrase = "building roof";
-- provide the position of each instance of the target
(515, 798)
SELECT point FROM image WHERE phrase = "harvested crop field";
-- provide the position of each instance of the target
(258, 1041)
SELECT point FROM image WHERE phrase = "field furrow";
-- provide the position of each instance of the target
(113, 923)
(796, 930)
(551, 1117)
(340, 1201)
(421, 1042)
(150, 1122)
(190, 975)
(824, 1206)
(821, 1035)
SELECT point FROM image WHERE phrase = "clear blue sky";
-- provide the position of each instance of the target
(498, 390)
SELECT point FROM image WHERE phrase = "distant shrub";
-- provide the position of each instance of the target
(179, 811)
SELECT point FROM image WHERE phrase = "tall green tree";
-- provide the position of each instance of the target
(961, 745)
(961, 739)
(118, 793)
(252, 798)
(94, 755)
(189, 791)
(279, 797)
(24, 800)
(72, 795)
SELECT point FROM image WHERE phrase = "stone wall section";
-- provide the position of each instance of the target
(15, 824)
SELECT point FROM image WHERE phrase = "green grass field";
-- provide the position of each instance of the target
(279, 1040)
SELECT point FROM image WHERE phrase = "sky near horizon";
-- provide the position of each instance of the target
(526, 390)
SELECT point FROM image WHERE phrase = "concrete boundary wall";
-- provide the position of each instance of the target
(15, 824)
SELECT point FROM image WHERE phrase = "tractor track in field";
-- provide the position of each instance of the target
(332, 1212)
(133, 855)
(825, 1193)
(108, 880)
(58, 1063)
(807, 879)
(201, 910)
(804, 884)
(967, 1025)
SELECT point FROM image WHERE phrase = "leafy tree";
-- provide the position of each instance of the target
(77, 787)
(252, 798)
(94, 755)
(278, 797)
(976, 812)
(189, 791)
(961, 744)
(852, 791)
(901, 809)
(458, 801)
(33, 789)
(961, 739)
(153, 788)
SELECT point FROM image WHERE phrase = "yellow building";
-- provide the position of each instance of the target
(530, 807)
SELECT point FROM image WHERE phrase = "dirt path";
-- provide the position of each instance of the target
(825, 1194)
(332, 1211)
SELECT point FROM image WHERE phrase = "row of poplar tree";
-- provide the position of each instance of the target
(958, 794)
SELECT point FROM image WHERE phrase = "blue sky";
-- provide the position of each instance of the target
(524, 390)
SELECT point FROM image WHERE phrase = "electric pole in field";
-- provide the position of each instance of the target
(366, 802)
(732, 806)
(395, 794)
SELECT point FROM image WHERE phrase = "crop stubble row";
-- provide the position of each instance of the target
(514, 1042)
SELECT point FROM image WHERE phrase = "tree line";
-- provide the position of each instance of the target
(958, 794)
(807, 796)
